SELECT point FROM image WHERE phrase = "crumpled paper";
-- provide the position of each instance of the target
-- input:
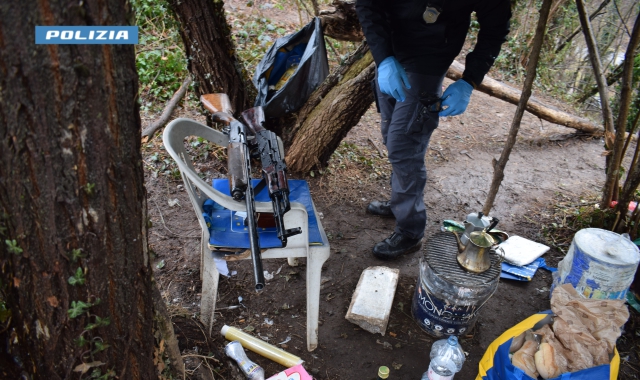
(586, 328)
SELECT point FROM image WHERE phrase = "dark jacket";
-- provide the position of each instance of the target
(396, 28)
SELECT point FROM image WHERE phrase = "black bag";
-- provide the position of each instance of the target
(291, 70)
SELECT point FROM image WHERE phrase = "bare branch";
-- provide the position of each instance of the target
(578, 29)
(166, 114)
(498, 167)
(633, 174)
(596, 64)
(622, 20)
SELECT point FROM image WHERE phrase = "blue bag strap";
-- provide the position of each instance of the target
(565, 376)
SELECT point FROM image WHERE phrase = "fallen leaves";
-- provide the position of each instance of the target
(84, 367)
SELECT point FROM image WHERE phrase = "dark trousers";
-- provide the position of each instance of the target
(406, 129)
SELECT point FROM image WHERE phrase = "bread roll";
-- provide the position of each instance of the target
(516, 343)
(545, 360)
(526, 363)
(529, 347)
(524, 358)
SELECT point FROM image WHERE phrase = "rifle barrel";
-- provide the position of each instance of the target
(254, 243)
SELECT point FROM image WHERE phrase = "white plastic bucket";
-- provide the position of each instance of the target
(600, 264)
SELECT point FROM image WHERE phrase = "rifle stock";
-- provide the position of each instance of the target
(217, 103)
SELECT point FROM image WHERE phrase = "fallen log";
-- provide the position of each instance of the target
(168, 109)
(509, 94)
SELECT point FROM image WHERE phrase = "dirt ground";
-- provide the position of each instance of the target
(547, 163)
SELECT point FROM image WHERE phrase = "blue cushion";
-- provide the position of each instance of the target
(227, 229)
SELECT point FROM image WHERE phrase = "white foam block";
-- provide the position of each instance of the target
(520, 251)
(371, 302)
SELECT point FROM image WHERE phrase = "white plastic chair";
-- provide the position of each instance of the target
(199, 191)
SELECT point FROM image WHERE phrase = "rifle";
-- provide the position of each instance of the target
(239, 163)
(258, 142)
(274, 171)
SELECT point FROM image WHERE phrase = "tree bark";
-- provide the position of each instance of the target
(633, 174)
(596, 64)
(72, 200)
(333, 109)
(509, 94)
(341, 21)
(498, 166)
(210, 51)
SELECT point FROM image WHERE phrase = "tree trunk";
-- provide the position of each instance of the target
(210, 51)
(633, 174)
(498, 166)
(331, 112)
(72, 201)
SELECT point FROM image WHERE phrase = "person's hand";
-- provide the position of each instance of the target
(391, 78)
(456, 98)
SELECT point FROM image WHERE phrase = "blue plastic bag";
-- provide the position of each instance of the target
(496, 364)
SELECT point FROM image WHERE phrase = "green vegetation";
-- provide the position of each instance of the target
(13, 246)
(160, 56)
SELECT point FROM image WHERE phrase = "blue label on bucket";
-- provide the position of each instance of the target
(594, 278)
(438, 317)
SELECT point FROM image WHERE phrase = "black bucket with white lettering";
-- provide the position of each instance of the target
(448, 298)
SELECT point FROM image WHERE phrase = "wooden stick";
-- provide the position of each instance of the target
(498, 166)
(596, 63)
(168, 109)
(615, 160)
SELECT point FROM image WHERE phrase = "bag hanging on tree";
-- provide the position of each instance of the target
(291, 70)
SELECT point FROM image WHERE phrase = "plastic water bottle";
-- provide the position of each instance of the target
(446, 359)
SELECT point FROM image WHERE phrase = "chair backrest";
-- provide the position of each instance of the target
(173, 139)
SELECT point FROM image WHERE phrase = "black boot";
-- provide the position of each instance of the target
(396, 245)
(382, 209)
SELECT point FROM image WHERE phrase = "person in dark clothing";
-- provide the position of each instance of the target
(413, 43)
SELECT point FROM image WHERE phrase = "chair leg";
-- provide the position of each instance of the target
(314, 274)
(204, 249)
(210, 277)
(293, 261)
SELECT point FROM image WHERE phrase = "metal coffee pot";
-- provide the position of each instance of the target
(474, 256)
(474, 222)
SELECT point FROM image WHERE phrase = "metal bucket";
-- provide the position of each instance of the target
(447, 298)
(600, 264)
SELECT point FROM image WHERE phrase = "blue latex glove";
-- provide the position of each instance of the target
(391, 78)
(456, 97)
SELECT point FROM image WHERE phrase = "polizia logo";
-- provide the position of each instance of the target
(80, 35)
